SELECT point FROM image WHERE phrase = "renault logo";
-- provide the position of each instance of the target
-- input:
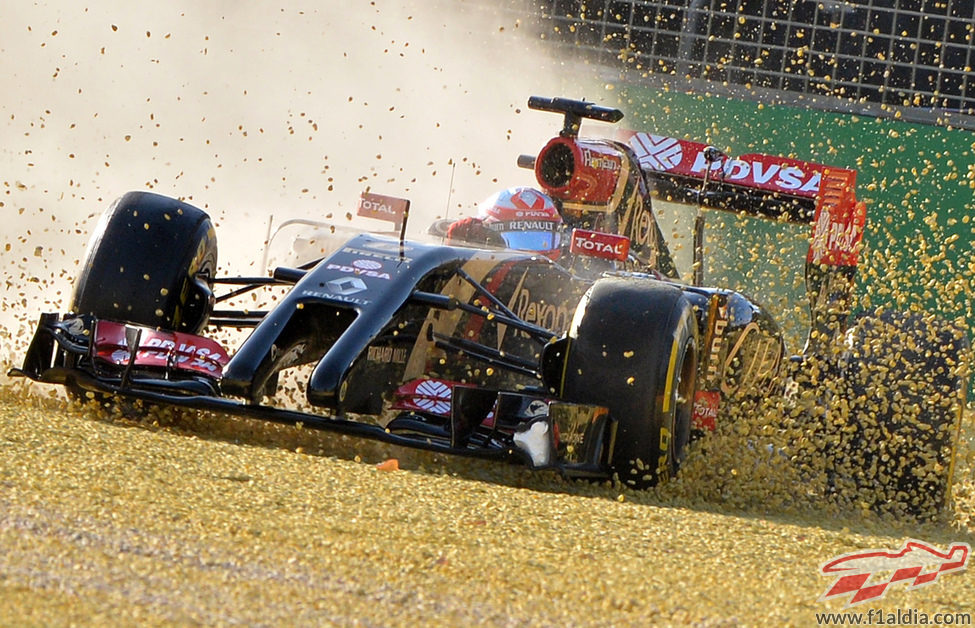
(345, 286)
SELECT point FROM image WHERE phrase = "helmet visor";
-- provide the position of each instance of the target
(531, 240)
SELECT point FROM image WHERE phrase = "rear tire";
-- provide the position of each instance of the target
(633, 348)
(906, 387)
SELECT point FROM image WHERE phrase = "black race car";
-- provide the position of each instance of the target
(602, 363)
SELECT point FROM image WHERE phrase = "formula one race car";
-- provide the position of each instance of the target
(600, 364)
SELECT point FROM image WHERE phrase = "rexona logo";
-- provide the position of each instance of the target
(602, 245)
(867, 574)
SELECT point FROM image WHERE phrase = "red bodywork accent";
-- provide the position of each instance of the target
(839, 221)
(579, 170)
(476, 323)
(432, 396)
(598, 244)
(163, 349)
(706, 406)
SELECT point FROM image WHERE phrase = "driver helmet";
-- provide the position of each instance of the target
(526, 219)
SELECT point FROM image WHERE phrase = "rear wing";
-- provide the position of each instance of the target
(778, 188)
(769, 186)
(598, 178)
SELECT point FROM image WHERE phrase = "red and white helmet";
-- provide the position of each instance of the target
(525, 218)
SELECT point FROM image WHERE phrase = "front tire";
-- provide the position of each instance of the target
(148, 264)
(632, 348)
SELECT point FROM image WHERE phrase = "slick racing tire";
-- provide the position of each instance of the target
(906, 383)
(633, 348)
(148, 264)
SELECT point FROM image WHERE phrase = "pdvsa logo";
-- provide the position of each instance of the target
(355, 270)
(762, 171)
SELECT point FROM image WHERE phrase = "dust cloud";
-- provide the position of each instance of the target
(248, 111)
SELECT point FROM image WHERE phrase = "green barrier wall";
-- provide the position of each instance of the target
(918, 182)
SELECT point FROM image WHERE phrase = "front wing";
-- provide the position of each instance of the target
(116, 359)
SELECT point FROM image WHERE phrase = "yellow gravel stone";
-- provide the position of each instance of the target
(191, 519)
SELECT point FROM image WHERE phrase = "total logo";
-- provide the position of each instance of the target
(383, 207)
(377, 206)
(354, 270)
(603, 245)
(595, 246)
